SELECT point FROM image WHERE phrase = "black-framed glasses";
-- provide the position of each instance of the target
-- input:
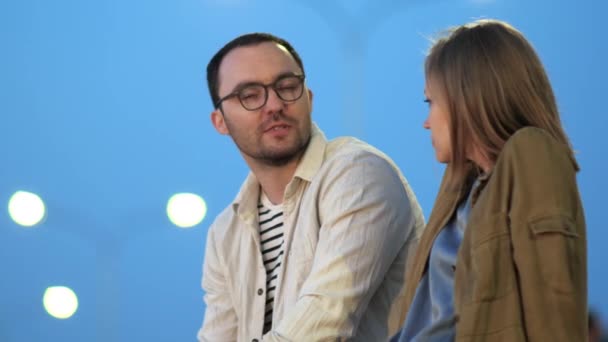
(254, 96)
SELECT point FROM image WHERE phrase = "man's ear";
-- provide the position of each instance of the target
(217, 119)
(310, 98)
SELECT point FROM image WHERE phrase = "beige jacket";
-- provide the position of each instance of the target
(350, 221)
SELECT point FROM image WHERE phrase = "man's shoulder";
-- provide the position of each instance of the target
(222, 222)
(352, 153)
(350, 146)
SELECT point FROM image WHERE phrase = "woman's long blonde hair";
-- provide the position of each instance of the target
(494, 84)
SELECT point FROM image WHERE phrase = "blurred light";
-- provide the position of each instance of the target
(26, 208)
(186, 210)
(60, 302)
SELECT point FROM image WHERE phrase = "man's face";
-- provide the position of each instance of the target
(279, 131)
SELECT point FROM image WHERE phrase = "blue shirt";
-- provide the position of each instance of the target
(431, 316)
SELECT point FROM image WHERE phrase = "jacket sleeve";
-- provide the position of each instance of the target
(220, 322)
(548, 238)
(366, 220)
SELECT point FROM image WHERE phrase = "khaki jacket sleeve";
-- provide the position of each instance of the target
(220, 322)
(548, 238)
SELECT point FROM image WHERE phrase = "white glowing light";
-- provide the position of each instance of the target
(186, 210)
(26, 208)
(60, 302)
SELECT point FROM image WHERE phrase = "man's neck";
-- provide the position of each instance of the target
(274, 179)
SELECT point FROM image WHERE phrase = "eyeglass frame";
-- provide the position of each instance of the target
(272, 85)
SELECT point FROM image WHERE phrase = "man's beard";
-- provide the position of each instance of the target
(283, 158)
(266, 155)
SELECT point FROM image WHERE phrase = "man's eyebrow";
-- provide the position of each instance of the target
(242, 85)
(284, 74)
(246, 83)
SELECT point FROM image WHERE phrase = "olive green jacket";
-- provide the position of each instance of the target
(521, 272)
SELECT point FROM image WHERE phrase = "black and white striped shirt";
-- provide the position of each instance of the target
(271, 239)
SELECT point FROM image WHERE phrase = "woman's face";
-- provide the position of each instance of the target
(438, 121)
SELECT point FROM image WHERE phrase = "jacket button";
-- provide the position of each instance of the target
(260, 291)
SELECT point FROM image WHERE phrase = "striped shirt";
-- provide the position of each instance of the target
(271, 239)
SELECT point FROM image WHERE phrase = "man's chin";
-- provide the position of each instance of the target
(280, 159)
(283, 155)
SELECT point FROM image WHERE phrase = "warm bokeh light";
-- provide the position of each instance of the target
(26, 208)
(186, 210)
(60, 302)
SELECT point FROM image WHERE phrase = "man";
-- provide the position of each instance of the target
(314, 246)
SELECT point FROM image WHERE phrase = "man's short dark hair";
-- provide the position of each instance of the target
(244, 40)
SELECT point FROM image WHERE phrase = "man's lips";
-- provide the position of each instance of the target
(276, 127)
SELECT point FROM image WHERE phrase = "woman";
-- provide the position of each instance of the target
(503, 257)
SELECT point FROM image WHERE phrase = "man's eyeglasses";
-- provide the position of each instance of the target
(254, 96)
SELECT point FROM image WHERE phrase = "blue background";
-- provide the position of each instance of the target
(105, 114)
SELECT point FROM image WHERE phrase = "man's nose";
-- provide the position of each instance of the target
(274, 102)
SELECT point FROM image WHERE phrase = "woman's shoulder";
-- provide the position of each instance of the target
(524, 137)
(535, 147)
